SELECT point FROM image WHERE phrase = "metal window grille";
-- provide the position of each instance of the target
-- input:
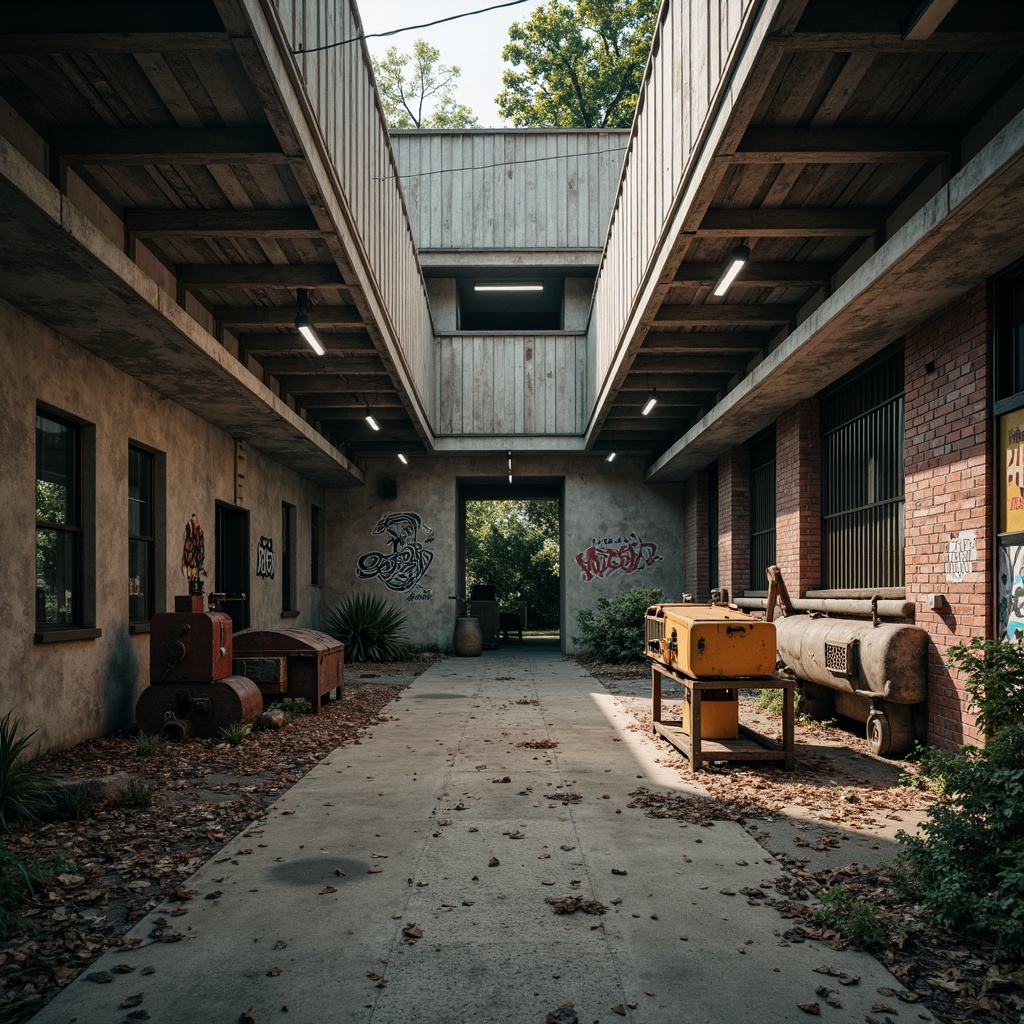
(863, 479)
(762, 508)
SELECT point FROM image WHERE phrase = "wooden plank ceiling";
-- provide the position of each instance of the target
(842, 120)
(167, 114)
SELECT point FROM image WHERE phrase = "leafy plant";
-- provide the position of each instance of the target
(614, 631)
(25, 791)
(137, 794)
(860, 924)
(369, 627)
(967, 865)
(147, 744)
(292, 707)
(18, 879)
(232, 733)
(72, 804)
(933, 764)
(770, 702)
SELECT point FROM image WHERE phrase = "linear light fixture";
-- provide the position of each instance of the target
(652, 401)
(304, 325)
(496, 287)
(368, 416)
(510, 467)
(926, 19)
(402, 459)
(611, 457)
(738, 257)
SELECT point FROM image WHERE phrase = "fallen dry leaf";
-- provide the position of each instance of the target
(274, 972)
(493, 862)
(810, 1007)
(132, 1001)
(620, 1009)
(327, 889)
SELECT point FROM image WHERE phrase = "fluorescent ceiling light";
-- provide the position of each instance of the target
(369, 419)
(611, 457)
(652, 401)
(735, 263)
(307, 330)
(304, 325)
(508, 287)
(402, 459)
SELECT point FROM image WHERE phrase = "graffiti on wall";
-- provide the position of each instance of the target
(265, 559)
(961, 556)
(1010, 597)
(403, 567)
(606, 555)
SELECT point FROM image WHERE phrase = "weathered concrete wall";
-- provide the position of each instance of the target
(75, 690)
(625, 532)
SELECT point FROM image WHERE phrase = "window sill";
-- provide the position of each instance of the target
(290, 615)
(60, 636)
(138, 627)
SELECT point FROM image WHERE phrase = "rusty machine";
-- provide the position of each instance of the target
(862, 668)
(713, 641)
(193, 692)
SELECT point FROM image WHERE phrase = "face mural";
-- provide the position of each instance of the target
(607, 555)
(407, 563)
(1010, 611)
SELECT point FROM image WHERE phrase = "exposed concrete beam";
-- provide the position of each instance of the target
(435, 260)
(290, 344)
(283, 316)
(655, 362)
(281, 366)
(65, 41)
(311, 384)
(776, 223)
(126, 146)
(703, 341)
(703, 316)
(893, 42)
(756, 274)
(223, 224)
(842, 145)
(293, 275)
(695, 383)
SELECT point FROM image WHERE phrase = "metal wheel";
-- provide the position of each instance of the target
(878, 733)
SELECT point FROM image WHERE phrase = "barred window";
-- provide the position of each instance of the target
(863, 478)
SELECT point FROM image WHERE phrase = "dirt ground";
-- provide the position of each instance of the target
(834, 819)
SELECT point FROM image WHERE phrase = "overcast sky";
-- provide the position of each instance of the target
(474, 44)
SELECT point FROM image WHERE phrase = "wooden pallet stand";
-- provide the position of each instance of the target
(751, 745)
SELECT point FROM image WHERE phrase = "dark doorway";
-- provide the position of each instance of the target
(232, 573)
(511, 538)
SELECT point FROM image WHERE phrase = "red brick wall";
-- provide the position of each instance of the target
(950, 489)
(695, 538)
(798, 497)
(734, 521)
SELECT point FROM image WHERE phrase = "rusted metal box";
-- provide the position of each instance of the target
(709, 641)
(190, 648)
(197, 711)
(313, 662)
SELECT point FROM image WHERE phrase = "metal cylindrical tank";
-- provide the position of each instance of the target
(888, 660)
(206, 708)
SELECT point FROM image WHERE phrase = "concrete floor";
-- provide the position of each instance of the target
(416, 818)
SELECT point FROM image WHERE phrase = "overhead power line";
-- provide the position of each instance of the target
(406, 28)
(501, 163)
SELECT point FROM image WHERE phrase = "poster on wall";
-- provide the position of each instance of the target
(403, 567)
(1010, 587)
(1011, 491)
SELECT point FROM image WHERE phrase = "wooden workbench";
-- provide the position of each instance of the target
(751, 746)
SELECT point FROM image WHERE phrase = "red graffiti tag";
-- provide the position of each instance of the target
(631, 556)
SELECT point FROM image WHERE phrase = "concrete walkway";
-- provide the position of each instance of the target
(416, 819)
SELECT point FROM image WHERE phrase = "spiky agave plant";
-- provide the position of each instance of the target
(25, 791)
(369, 627)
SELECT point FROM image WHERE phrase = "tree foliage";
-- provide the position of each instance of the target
(577, 64)
(613, 632)
(416, 89)
(513, 545)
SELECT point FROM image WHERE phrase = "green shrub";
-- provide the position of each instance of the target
(770, 702)
(614, 631)
(967, 865)
(25, 791)
(933, 764)
(369, 627)
(72, 804)
(860, 924)
(148, 743)
(138, 795)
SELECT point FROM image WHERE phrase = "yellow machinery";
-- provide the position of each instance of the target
(710, 642)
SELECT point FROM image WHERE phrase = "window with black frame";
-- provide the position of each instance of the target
(862, 472)
(287, 559)
(58, 522)
(141, 539)
(315, 545)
